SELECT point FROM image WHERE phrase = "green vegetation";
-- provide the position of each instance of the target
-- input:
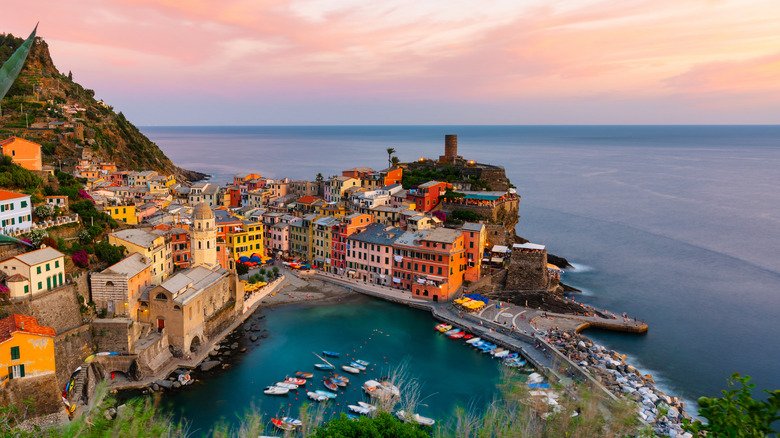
(242, 269)
(420, 174)
(383, 425)
(17, 177)
(464, 216)
(737, 414)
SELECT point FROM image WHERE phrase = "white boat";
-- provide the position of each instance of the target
(362, 362)
(496, 351)
(381, 389)
(473, 340)
(501, 354)
(287, 385)
(535, 378)
(417, 418)
(275, 390)
(359, 409)
(357, 365)
(294, 421)
(316, 397)
(368, 406)
(325, 393)
(350, 369)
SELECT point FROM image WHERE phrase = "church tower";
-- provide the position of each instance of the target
(203, 237)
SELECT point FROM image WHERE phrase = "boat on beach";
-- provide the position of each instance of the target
(303, 375)
(330, 353)
(350, 369)
(276, 390)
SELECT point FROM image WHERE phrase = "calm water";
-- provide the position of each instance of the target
(678, 225)
(450, 373)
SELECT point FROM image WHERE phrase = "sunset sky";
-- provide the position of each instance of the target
(252, 62)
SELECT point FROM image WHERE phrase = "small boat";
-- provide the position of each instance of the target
(330, 385)
(275, 390)
(445, 328)
(478, 343)
(512, 355)
(295, 381)
(338, 382)
(317, 397)
(330, 354)
(539, 385)
(325, 393)
(294, 421)
(302, 375)
(458, 335)
(339, 377)
(450, 332)
(281, 424)
(473, 341)
(417, 418)
(362, 362)
(359, 409)
(496, 351)
(357, 365)
(501, 354)
(382, 389)
(368, 406)
(468, 336)
(352, 416)
(184, 379)
(286, 385)
(323, 366)
(350, 369)
(441, 326)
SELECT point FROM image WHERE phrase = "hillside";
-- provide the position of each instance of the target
(48, 107)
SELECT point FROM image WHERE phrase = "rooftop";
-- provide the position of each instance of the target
(186, 285)
(129, 266)
(137, 237)
(444, 235)
(39, 256)
(6, 195)
(22, 323)
(377, 234)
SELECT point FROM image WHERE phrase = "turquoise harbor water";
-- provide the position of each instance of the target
(677, 225)
(449, 372)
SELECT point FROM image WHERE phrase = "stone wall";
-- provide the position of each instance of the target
(9, 250)
(113, 334)
(495, 234)
(44, 390)
(220, 321)
(489, 282)
(70, 350)
(153, 352)
(58, 308)
(527, 271)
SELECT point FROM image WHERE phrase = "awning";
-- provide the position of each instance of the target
(497, 260)
(398, 258)
(500, 249)
(553, 267)
(396, 280)
(528, 246)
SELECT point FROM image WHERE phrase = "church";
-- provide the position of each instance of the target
(198, 303)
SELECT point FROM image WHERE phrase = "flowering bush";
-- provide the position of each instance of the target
(44, 211)
(85, 236)
(48, 241)
(440, 215)
(84, 194)
(36, 237)
(80, 258)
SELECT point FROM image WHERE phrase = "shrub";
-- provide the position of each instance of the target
(36, 237)
(109, 253)
(80, 258)
(85, 237)
(44, 211)
(242, 269)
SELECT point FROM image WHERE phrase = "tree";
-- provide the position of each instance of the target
(394, 161)
(383, 425)
(44, 211)
(319, 178)
(241, 269)
(109, 253)
(275, 271)
(80, 258)
(390, 152)
(737, 414)
(36, 237)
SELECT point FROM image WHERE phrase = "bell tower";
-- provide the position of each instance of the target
(203, 237)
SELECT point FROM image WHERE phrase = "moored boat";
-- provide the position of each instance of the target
(281, 424)
(330, 385)
(440, 326)
(501, 354)
(473, 341)
(286, 385)
(458, 335)
(350, 369)
(368, 406)
(359, 409)
(338, 382)
(323, 366)
(445, 328)
(325, 393)
(330, 353)
(339, 377)
(357, 365)
(496, 351)
(294, 421)
(295, 381)
(468, 336)
(453, 331)
(275, 390)
(361, 362)
(317, 397)
(382, 389)
(302, 375)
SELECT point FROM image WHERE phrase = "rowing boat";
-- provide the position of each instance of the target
(350, 369)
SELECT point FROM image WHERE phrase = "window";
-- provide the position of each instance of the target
(47, 267)
(161, 296)
(56, 263)
(15, 353)
(38, 270)
(24, 204)
(15, 371)
(40, 285)
(26, 289)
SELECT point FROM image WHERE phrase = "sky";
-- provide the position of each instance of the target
(357, 62)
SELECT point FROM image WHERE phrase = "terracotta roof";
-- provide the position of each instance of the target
(308, 199)
(5, 195)
(14, 323)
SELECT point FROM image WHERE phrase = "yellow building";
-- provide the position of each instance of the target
(246, 240)
(125, 213)
(334, 209)
(323, 231)
(151, 246)
(34, 272)
(26, 348)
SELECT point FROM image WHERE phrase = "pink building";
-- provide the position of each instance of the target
(370, 254)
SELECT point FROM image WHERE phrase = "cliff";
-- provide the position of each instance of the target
(48, 107)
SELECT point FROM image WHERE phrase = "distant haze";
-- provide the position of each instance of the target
(321, 62)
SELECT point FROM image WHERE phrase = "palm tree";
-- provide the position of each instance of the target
(395, 161)
(390, 152)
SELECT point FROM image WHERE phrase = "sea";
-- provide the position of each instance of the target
(675, 225)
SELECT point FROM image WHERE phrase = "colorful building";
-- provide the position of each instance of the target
(369, 254)
(150, 245)
(338, 185)
(15, 212)
(430, 264)
(426, 196)
(474, 240)
(246, 240)
(350, 225)
(34, 272)
(58, 201)
(118, 288)
(125, 213)
(24, 153)
(26, 348)
(323, 230)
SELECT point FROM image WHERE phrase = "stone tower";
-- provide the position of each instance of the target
(203, 236)
(450, 150)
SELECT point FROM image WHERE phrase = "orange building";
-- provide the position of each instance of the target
(26, 348)
(25, 153)
(393, 176)
(349, 226)
(430, 264)
(426, 196)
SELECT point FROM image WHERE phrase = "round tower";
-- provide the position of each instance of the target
(203, 237)
(451, 145)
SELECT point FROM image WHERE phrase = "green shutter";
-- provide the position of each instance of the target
(48, 282)
(56, 263)
(15, 353)
(38, 269)
(60, 277)
(26, 288)
(40, 285)
(21, 368)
